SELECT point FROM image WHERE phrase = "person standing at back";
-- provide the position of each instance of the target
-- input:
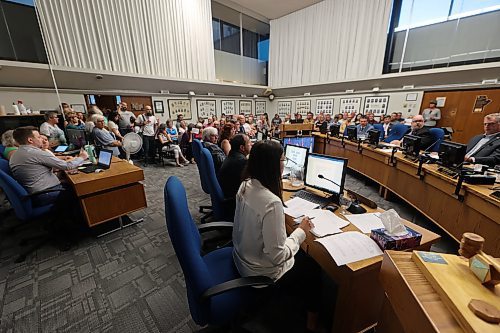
(148, 124)
(127, 119)
(431, 115)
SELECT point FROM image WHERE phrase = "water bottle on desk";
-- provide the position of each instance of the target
(91, 152)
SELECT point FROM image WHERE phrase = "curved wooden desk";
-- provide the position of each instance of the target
(431, 194)
(360, 295)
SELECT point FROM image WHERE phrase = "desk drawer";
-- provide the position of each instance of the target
(108, 205)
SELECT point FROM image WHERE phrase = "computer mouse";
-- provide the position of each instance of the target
(98, 170)
(331, 208)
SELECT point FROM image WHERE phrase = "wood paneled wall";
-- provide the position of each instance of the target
(135, 102)
(458, 111)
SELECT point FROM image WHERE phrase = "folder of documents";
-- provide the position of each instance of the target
(298, 207)
(350, 246)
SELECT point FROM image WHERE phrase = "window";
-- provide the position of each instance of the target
(426, 34)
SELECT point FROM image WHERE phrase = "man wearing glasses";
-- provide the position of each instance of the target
(418, 129)
(210, 138)
(485, 148)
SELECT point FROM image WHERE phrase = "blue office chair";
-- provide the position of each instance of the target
(397, 132)
(379, 127)
(25, 211)
(437, 137)
(221, 209)
(4, 166)
(197, 146)
(216, 292)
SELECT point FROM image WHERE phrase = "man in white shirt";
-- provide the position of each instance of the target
(485, 148)
(148, 124)
(50, 129)
(431, 114)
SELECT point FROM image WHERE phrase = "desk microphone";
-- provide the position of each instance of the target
(331, 181)
(289, 159)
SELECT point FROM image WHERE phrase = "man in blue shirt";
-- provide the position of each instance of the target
(363, 127)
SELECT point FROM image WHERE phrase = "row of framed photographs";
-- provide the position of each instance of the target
(208, 107)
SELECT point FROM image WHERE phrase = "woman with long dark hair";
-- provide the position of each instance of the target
(261, 245)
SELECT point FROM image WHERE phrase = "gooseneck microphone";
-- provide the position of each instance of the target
(331, 181)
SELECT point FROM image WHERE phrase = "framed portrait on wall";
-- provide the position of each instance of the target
(206, 108)
(228, 107)
(303, 106)
(324, 106)
(159, 107)
(376, 104)
(180, 106)
(260, 107)
(246, 107)
(350, 104)
(80, 108)
(284, 108)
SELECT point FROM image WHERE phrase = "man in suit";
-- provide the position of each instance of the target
(485, 148)
(363, 127)
(387, 125)
(418, 129)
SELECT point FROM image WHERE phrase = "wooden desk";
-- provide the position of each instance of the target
(431, 194)
(411, 304)
(360, 296)
(110, 194)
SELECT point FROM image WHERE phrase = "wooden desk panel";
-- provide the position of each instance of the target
(433, 195)
(411, 303)
(110, 194)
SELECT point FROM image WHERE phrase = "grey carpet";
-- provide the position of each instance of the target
(128, 281)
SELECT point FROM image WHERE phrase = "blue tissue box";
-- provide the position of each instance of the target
(386, 242)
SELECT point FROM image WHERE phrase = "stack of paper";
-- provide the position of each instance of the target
(349, 247)
(298, 207)
(366, 222)
(325, 222)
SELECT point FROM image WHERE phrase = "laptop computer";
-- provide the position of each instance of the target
(104, 162)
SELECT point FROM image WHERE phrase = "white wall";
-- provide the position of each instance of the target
(194, 111)
(397, 102)
(38, 100)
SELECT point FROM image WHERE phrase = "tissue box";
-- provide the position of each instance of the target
(386, 242)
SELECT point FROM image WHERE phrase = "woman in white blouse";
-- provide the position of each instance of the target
(261, 245)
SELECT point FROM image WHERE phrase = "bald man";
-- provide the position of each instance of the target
(418, 129)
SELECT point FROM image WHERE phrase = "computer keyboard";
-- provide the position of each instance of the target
(448, 172)
(312, 197)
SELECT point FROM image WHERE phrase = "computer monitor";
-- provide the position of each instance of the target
(326, 173)
(451, 154)
(411, 145)
(352, 133)
(295, 158)
(76, 137)
(323, 128)
(105, 156)
(374, 136)
(302, 141)
(335, 130)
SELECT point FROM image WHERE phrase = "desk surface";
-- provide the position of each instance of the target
(110, 194)
(432, 194)
(360, 296)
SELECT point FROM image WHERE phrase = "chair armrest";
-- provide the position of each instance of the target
(34, 194)
(249, 281)
(214, 225)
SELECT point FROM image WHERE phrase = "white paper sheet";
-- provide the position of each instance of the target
(325, 222)
(350, 246)
(298, 207)
(366, 222)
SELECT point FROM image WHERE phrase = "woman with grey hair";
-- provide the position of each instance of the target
(9, 143)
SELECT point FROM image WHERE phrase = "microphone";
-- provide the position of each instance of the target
(427, 150)
(289, 159)
(331, 181)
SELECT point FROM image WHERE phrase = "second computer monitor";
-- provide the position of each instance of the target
(295, 158)
(352, 132)
(76, 137)
(326, 173)
(411, 145)
(452, 154)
